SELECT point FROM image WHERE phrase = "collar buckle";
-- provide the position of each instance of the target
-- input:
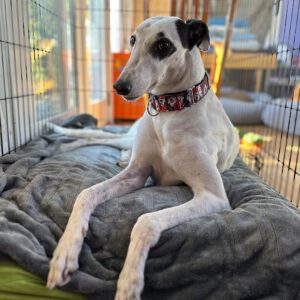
(150, 108)
(190, 93)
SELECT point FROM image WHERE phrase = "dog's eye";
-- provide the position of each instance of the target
(162, 48)
(163, 44)
(132, 40)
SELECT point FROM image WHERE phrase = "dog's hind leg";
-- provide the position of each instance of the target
(94, 133)
(85, 132)
(123, 143)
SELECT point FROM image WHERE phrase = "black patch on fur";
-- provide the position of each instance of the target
(160, 35)
(80, 121)
(182, 31)
(132, 40)
(192, 32)
(160, 53)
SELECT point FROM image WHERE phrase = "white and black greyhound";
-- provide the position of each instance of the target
(183, 136)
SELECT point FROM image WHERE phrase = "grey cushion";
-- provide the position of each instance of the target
(241, 112)
(283, 115)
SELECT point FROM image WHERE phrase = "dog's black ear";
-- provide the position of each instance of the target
(198, 34)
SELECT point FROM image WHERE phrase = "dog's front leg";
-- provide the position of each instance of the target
(209, 197)
(65, 257)
(147, 232)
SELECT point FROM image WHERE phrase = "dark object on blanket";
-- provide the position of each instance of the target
(252, 252)
(80, 121)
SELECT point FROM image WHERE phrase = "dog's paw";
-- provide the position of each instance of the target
(63, 263)
(130, 286)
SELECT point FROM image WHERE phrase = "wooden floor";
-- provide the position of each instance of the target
(278, 161)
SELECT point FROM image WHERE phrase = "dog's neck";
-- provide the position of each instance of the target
(186, 76)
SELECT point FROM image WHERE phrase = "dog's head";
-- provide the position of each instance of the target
(164, 50)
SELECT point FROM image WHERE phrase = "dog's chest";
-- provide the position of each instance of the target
(164, 175)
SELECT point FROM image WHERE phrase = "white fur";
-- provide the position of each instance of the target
(192, 146)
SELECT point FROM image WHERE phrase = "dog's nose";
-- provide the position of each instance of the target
(123, 87)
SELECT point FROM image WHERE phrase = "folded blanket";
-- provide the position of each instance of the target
(251, 252)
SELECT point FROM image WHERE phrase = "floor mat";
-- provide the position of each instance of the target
(18, 284)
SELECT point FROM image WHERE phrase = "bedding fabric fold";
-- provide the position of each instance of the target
(251, 252)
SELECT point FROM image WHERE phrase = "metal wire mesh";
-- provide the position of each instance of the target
(36, 76)
(274, 85)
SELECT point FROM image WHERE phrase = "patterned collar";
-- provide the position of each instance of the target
(180, 100)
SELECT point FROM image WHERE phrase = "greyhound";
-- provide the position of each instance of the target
(183, 137)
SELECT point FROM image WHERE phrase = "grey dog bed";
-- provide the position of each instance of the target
(284, 115)
(251, 252)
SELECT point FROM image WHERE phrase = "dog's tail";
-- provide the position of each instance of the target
(85, 133)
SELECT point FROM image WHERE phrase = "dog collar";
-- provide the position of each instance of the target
(180, 100)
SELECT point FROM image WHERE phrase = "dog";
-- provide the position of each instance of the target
(184, 136)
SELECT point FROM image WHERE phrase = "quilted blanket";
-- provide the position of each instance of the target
(251, 252)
